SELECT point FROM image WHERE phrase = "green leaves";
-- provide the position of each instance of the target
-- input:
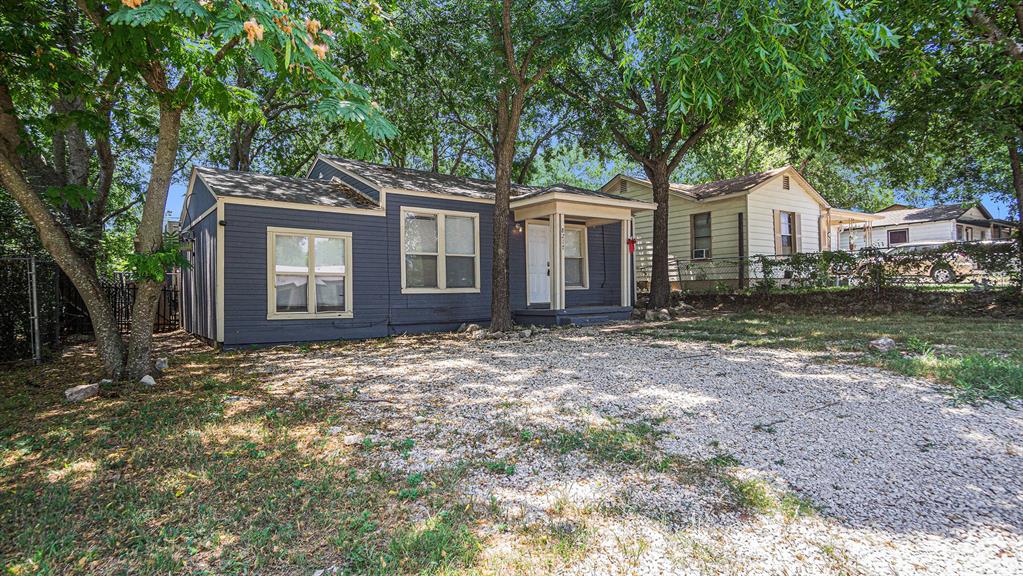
(154, 266)
(75, 197)
(148, 13)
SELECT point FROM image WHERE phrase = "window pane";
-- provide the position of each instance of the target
(420, 271)
(330, 293)
(291, 293)
(461, 271)
(291, 253)
(573, 271)
(573, 243)
(701, 225)
(330, 255)
(420, 233)
(459, 235)
(701, 243)
(786, 223)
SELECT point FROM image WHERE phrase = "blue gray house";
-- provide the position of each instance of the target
(359, 250)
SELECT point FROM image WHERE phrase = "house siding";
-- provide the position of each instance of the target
(762, 203)
(379, 307)
(200, 200)
(724, 223)
(198, 288)
(322, 170)
(941, 231)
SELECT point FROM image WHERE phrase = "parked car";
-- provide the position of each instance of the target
(940, 261)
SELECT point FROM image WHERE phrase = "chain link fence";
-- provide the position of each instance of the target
(30, 306)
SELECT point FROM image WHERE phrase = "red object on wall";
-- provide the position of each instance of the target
(632, 245)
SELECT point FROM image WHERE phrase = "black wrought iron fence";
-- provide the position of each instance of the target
(40, 307)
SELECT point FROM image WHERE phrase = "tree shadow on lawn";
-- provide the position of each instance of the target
(875, 450)
(892, 456)
(204, 472)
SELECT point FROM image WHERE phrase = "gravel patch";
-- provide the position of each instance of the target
(904, 482)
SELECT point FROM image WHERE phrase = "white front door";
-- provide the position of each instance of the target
(538, 269)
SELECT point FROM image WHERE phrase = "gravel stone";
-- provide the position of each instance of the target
(81, 392)
(147, 380)
(902, 479)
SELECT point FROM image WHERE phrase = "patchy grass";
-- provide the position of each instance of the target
(207, 473)
(631, 443)
(981, 357)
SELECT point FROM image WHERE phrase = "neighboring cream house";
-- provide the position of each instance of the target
(901, 224)
(714, 226)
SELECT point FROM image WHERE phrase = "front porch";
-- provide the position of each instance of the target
(571, 258)
(573, 316)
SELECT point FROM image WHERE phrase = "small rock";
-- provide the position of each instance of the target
(882, 344)
(161, 364)
(470, 328)
(230, 399)
(147, 380)
(526, 333)
(353, 439)
(650, 315)
(335, 430)
(663, 314)
(82, 392)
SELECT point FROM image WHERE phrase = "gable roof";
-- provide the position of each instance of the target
(384, 176)
(721, 188)
(895, 215)
(254, 186)
(728, 186)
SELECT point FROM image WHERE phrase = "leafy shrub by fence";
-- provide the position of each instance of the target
(990, 262)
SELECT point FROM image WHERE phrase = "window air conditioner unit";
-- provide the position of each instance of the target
(700, 254)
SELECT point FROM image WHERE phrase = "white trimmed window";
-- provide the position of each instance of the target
(439, 251)
(787, 232)
(576, 273)
(309, 274)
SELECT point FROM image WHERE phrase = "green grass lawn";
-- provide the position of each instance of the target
(981, 357)
(205, 474)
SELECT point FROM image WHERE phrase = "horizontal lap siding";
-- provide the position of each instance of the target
(943, 231)
(198, 312)
(427, 312)
(770, 197)
(324, 171)
(245, 276)
(604, 256)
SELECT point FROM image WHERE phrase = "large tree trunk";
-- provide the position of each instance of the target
(504, 152)
(149, 239)
(660, 285)
(77, 268)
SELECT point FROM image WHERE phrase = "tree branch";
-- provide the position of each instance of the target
(995, 35)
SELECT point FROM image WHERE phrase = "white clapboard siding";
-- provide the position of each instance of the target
(771, 196)
(941, 231)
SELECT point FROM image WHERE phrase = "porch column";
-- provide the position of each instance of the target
(557, 261)
(626, 288)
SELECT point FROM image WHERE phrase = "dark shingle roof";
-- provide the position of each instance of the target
(729, 186)
(282, 189)
(422, 181)
(915, 215)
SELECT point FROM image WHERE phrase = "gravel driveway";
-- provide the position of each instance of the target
(903, 482)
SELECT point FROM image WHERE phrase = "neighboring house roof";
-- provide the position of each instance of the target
(722, 188)
(893, 216)
(282, 189)
(728, 186)
(384, 176)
